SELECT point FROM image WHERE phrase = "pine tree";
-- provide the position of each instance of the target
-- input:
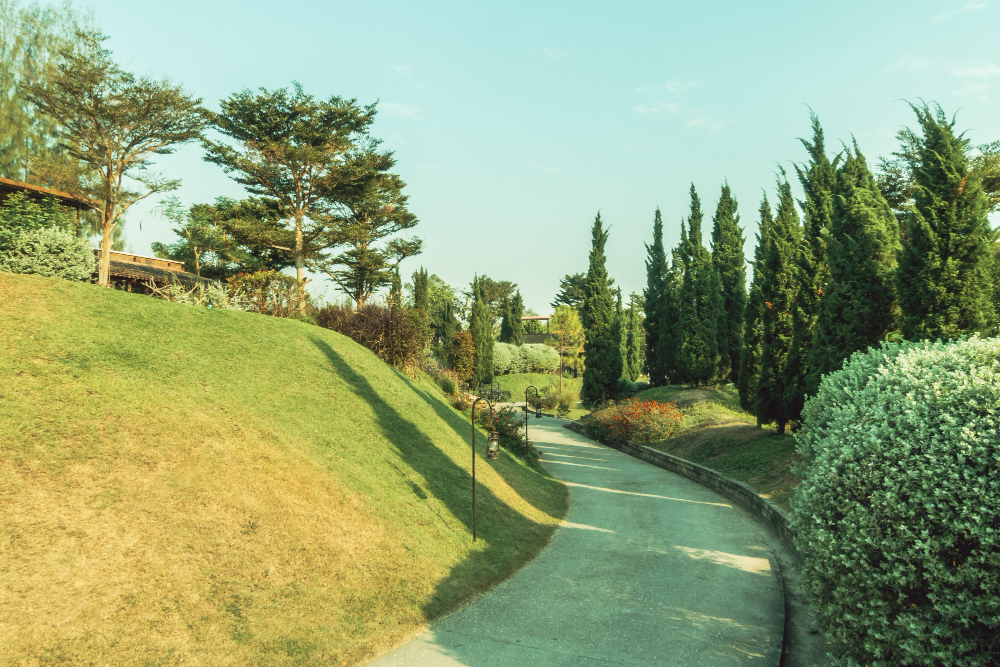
(944, 280)
(449, 324)
(699, 315)
(753, 317)
(778, 291)
(655, 297)
(482, 334)
(729, 263)
(633, 341)
(516, 323)
(602, 346)
(859, 306)
(811, 272)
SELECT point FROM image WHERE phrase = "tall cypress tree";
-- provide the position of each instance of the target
(482, 334)
(516, 323)
(421, 290)
(778, 289)
(671, 333)
(506, 331)
(699, 315)
(753, 317)
(622, 325)
(811, 272)
(602, 346)
(859, 306)
(729, 262)
(633, 343)
(944, 280)
(655, 297)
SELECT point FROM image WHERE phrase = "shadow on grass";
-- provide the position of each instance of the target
(509, 538)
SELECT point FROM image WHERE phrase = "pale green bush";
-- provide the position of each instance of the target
(898, 514)
(539, 358)
(503, 358)
(210, 294)
(48, 252)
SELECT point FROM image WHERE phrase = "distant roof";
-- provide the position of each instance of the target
(536, 317)
(143, 272)
(8, 187)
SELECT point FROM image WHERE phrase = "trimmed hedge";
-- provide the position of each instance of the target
(899, 509)
(528, 358)
(48, 252)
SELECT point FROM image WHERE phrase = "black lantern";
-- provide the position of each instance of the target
(493, 446)
(538, 411)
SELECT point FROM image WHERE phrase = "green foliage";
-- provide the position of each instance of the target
(858, 308)
(899, 527)
(421, 290)
(655, 297)
(505, 360)
(203, 294)
(111, 123)
(571, 290)
(462, 356)
(516, 324)
(729, 262)
(699, 311)
(268, 293)
(633, 340)
(480, 325)
(30, 41)
(21, 213)
(811, 270)
(777, 291)
(945, 276)
(602, 346)
(753, 316)
(48, 252)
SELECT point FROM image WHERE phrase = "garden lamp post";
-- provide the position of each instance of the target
(538, 413)
(492, 452)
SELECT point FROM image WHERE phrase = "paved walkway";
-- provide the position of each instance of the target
(649, 569)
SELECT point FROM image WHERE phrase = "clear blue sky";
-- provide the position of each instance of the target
(515, 122)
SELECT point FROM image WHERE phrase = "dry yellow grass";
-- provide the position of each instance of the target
(191, 486)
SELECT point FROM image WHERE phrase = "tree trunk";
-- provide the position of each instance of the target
(300, 262)
(104, 272)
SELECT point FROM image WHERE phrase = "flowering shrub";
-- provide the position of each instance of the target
(633, 421)
(899, 509)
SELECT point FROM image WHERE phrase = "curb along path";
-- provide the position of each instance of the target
(649, 568)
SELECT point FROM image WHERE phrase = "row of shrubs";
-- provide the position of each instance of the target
(527, 358)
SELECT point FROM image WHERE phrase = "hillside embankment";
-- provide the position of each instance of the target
(190, 485)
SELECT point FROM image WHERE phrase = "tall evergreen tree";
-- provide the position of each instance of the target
(753, 317)
(859, 306)
(655, 297)
(481, 328)
(516, 323)
(944, 279)
(671, 333)
(622, 325)
(421, 290)
(729, 262)
(602, 345)
(571, 289)
(506, 330)
(811, 272)
(633, 340)
(699, 305)
(778, 289)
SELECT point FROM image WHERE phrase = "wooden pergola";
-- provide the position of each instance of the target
(9, 187)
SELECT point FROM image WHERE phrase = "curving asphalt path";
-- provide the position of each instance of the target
(649, 568)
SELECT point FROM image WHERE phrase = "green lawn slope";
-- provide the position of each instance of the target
(186, 485)
(717, 433)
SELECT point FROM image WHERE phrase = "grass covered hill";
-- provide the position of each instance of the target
(181, 484)
(719, 434)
